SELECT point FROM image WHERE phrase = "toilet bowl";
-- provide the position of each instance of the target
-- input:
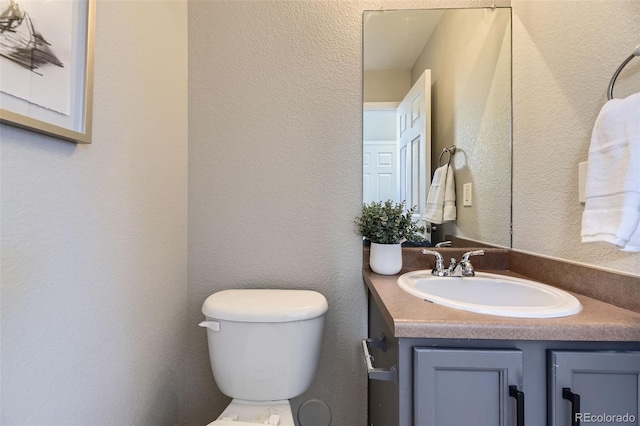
(264, 347)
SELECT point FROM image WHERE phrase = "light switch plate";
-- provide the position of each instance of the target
(582, 178)
(467, 200)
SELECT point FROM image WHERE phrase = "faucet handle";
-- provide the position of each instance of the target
(439, 261)
(432, 252)
(467, 255)
(467, 267)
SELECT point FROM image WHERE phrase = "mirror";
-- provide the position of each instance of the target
(465, 57)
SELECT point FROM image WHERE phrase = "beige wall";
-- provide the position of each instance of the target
(94, 243)
(564, 55)
(275, 176)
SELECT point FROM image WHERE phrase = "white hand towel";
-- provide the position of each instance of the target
(441, 200)
(612, 209)
(449, 197)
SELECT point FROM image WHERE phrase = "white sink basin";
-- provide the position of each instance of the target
(491, 294)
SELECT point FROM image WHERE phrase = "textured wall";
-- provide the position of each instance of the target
(275, 178)
(564, 55)
(469, 55)
(94, 269)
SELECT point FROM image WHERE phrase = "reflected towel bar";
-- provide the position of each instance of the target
(451, 150)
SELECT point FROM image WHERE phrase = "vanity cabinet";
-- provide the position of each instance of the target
(585, 385)
(466, 387)
(462, 382)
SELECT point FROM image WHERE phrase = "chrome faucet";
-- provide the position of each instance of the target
(464, 268)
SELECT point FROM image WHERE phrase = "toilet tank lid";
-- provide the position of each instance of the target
(265, 305)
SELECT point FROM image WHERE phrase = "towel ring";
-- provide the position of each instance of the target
(451, 150)
(615, 74)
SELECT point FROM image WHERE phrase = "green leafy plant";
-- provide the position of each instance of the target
(388, 223)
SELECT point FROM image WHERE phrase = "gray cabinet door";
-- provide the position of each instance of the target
(462, 387)
(605, 382)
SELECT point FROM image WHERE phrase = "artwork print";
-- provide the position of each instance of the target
(35, 52)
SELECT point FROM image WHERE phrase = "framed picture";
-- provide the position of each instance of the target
(46, 66)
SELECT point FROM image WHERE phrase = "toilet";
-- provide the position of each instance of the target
(264, 346)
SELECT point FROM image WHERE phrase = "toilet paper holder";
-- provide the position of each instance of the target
(390, 375)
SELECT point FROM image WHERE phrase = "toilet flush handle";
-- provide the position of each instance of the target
(211, 325)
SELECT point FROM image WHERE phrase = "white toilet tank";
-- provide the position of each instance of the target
(264, 345)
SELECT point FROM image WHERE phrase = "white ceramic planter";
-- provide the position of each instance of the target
(385, 259)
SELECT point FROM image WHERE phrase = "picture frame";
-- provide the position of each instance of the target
(38, 91)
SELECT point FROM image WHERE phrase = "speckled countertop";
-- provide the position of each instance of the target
(409, 316)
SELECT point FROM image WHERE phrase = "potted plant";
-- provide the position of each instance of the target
(386, 225)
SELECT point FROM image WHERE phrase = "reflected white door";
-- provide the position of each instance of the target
(414, 143)
(380, 175)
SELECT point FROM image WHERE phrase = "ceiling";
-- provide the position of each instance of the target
(393, 39)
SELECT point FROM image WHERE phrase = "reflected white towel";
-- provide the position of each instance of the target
(612, 209)
(441, 200)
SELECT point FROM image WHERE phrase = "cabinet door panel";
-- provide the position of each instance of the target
(454, 387)
(607, 383)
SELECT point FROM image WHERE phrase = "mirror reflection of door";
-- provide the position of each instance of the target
(414, 144)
